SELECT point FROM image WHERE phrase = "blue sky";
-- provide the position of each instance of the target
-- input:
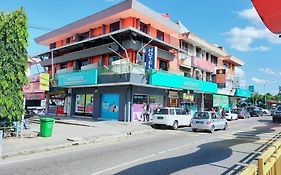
(234, 25)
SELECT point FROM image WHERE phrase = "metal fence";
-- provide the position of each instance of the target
(269, 163)
(123, 67)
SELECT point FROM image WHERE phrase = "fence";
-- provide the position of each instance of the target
(269, 163)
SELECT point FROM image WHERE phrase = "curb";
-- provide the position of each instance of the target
(84, 141)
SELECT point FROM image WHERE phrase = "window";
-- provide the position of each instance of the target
(63, 66)
(83, 36)
(160, 35)
(198, 52)
(178, 112)
(53, 45)
(68, 40)
(214, 60)
(81, 63)
(143, 27)
(172, 112)
(183, 112)
(162, 111)
(115, 26)
(184, 46)
(213, 115)
(163, 65)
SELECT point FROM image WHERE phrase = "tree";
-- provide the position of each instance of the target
(13, 63)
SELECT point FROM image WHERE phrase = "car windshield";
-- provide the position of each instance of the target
(201, 115)
(162, 111)
(279, 109)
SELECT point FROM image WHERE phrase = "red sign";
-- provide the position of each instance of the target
(35, 96)
(269, 11)
(32, 88)
(220, 76)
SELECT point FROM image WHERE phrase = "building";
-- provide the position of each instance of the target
(112, 63)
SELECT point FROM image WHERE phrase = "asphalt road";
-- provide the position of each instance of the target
(165, 152)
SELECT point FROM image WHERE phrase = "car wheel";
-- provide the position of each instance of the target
(212, 129)
(194, 130)
(175, 125)
(225, 126)
(155, 126)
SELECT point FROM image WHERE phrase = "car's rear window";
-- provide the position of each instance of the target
(201, 115)
(162, 111)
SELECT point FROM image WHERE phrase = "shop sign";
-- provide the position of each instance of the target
(252, 88)
(150, 57)
(221, 101)
(85, 77)
(161, 78)
(243, 93)
(220, 76)
(44, 81)
(33, 87)
(35, 96)
(173, 94)
(188, 97)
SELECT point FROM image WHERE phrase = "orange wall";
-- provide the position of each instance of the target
(129, 22)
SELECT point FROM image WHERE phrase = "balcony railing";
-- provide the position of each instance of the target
(202, 64)
(123, 67)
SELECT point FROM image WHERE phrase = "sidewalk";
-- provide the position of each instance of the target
(68, 132)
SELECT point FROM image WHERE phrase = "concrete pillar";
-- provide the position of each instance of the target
(69, 101)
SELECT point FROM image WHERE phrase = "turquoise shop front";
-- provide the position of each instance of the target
(200, 90)
(161, 78)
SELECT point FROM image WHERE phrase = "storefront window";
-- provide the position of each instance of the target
(84, 104)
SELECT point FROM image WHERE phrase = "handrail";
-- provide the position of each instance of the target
(250, 170)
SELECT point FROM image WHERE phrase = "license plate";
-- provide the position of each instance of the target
(159, 117)
(198, 122)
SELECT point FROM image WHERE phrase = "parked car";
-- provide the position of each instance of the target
(242, 113)
(209, 121)
(276, 116)
(265, 111)
(171, 116)
(231, 115)
(255, 111)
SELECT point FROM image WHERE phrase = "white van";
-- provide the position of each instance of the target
(171, 116)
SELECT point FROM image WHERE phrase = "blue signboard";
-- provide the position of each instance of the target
(243, 93)
(150, 57)
(110, 106)
(84, 77)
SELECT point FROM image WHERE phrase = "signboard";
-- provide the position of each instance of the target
(110, 106)
(161, 78)
(220, 76)
(221, 101)
(243, 93)
(44, 81)
(85, 77)
(252, 88)
(150, 57)
(188, 97)
(35, 96)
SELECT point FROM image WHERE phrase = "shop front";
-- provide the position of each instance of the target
(57, 101)
(221, 101)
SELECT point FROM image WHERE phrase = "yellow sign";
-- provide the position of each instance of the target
(44, 81)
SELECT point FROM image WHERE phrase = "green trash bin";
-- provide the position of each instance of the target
(46, 127)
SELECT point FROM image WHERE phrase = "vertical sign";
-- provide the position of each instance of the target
(220, 76)
(150, 57)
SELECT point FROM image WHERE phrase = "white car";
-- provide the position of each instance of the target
(171, 116)
(265, 111)
(209, 121)
(230, 115)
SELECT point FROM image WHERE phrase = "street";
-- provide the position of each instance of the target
(164, 152)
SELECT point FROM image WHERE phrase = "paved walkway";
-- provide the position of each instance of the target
(79, 131)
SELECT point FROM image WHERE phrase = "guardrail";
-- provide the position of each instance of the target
(269, 163)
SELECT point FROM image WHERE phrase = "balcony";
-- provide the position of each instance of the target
(122, 72)
(202, 64)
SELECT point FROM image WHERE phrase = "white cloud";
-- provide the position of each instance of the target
(258, 81)
(243, 83)
(251, 15)
(242, 39)
(268, 71)
(239, 72)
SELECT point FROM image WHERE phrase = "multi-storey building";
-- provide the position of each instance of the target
(99, 65)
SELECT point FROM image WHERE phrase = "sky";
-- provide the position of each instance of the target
(234, 25)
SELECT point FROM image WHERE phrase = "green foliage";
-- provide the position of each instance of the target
(13, 62)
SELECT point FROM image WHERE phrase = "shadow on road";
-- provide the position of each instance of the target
(208, 153)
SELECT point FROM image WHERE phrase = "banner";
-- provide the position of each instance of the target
(220, 76)
(44, 81)
(150, 57)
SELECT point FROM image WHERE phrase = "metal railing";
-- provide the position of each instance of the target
(269, 163)
(124, 67)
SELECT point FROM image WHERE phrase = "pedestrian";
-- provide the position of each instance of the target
(223, 112)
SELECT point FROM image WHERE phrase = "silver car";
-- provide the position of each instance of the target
(208, 121)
